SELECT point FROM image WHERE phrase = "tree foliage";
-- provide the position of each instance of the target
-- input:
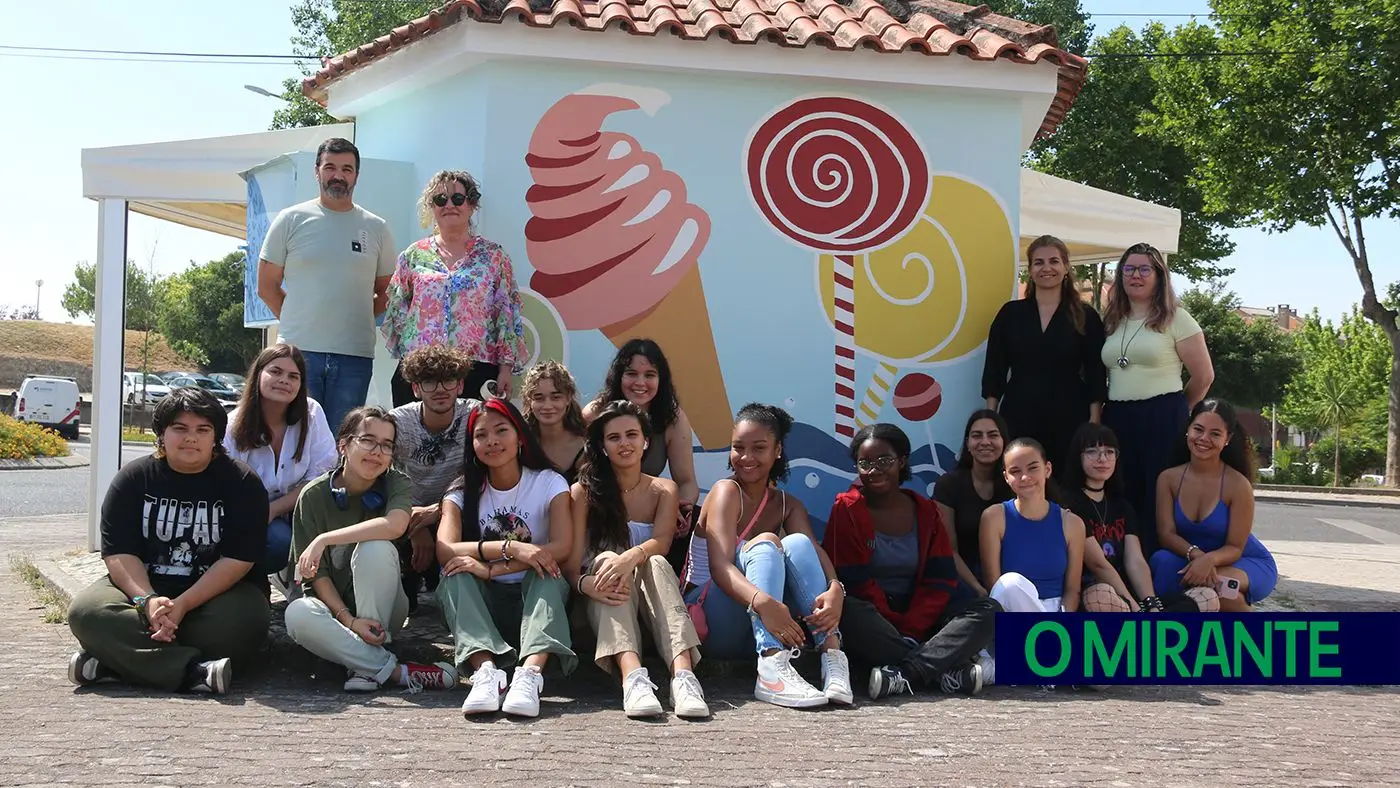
(18, 313)
(142, 303)
(1102, 143)
(203, 315)
(326, 28)
(1305, 130)
(1341, 388)
(1071, 23)
(1254, 361)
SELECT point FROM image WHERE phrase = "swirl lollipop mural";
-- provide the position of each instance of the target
(545, 336)
(840, 176)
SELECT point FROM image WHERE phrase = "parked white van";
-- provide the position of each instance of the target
(50, 402)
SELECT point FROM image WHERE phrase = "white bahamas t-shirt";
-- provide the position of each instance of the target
(522, 510)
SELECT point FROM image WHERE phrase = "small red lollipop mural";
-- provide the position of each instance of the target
(839, 176)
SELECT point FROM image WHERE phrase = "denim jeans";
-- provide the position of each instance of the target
(279, 547)
(793, 574)
(337, 381)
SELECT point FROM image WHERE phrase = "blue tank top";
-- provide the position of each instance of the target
(1036, 549)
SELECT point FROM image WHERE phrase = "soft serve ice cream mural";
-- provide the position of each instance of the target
(909, 264)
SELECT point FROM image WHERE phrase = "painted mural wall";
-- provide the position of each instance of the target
(840, 254)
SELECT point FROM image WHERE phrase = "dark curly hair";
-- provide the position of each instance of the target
(435, 364)
(890, 434)
(664, 406)
(779, 422)
(472, 482)
(606, 527)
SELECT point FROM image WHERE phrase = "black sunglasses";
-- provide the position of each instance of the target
(458, 199)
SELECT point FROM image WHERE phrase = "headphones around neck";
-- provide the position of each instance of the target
(372, 500)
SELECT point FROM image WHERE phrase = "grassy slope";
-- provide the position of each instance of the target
(37, 339)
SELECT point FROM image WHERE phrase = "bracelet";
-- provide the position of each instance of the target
(1191, 548)
(579, 585)
(755, 599)
(839, 583)
(481, 551)
(336, 615)
(505, 550)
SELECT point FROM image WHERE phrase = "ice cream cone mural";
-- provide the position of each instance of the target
(842, 177)
(616, 246)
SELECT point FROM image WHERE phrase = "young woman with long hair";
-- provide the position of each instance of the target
(1042, 370)
(505, 530)
(1205, 513)
(1116, 575)
(624, 521)
(1032, 550)
(966, 491)
(281, 433)
(891, 547)
(343, 531)
(754, 543)
(549, 400)
(640, 374)
(1150, 340)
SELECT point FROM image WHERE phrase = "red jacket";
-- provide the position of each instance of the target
(850, 543)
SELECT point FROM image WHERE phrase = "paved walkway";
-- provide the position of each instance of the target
(285, 726)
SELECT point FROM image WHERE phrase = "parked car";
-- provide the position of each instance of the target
(226, 395)
(50, 402)
(230, 379)
(169, 375)
(138, 389)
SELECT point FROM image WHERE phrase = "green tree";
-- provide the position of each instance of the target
(1342, 384)
(326, 28)
(1255, 361)
(1298, 123)
(142, 302)
(1102, 143)
(202, 316)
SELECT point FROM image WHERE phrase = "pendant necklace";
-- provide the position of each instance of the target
(1102, 515)
(1126, 343)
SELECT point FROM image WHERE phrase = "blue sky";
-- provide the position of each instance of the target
(60, 106)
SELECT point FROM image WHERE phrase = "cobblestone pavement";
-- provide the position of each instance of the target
(290, 724)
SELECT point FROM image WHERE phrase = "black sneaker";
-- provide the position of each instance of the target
(212, 676)
(888, 680)
(85, 670)
(965, 680)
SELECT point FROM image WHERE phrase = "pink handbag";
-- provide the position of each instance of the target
(697, 608)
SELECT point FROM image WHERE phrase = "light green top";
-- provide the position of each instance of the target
(316, 513)
(330, 260)
(1154, 367)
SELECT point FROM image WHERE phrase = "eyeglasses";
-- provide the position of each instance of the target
(878, 464)
(1101, 453)
(435, 385)
(458, 199)
(1144, 271)
(372, 446)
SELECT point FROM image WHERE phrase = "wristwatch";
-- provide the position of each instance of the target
(140, 603)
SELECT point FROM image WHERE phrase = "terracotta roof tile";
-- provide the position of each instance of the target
(931, 27)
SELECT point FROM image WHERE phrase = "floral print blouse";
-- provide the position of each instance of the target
(471, 304)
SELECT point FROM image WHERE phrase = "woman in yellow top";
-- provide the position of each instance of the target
(1151, 338)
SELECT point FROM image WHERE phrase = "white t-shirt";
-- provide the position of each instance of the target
(522, 510)
(279, 474)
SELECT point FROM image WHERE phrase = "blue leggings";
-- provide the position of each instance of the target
(279, 548)
(793, 574)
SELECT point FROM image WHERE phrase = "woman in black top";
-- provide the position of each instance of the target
(1113, 553)
(966, 491)
(1043, 371)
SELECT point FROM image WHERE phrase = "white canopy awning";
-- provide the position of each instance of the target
(194, 182)
(1097, 225)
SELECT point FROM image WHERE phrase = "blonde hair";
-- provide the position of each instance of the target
(563, 381)
(1164, 300)
(436, 183)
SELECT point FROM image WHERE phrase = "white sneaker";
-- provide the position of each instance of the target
(361, 682)
(688, 697)
(836, 677)
(989, 668)
(639, 695)
(523, 697)
(779, 683)
(488, 687)
(214, 676)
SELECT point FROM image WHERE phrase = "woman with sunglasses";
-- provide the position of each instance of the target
(891, 547)
(1042, 370)
(455, 288)
(1150, 339)
(343, 531)
(506, 528)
